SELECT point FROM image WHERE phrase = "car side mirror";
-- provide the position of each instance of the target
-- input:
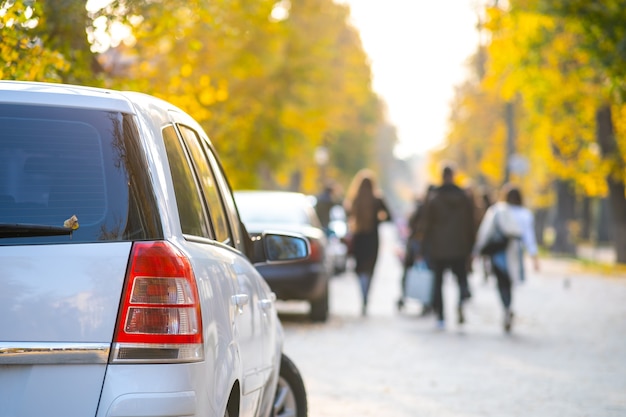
(279, 247)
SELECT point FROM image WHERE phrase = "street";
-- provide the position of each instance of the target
(566, 355)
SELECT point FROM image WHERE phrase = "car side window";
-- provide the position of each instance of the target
(210, 189)
(229, 200)
(188, 200)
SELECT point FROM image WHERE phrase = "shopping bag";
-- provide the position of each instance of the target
(497, 242)
(419, 283)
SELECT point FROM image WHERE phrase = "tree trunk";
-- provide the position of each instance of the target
(565, 214)
(615, 179)
(541, 221)
(509, 117)
(586, 219)
(603, 230)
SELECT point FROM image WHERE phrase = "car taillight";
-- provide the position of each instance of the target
(159, 318)
(317, 252)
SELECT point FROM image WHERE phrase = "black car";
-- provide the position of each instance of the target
(291, 212)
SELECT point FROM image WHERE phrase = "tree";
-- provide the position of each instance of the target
(64, 26)
(24, 54)
(269, 81)
(557, 64)
(602, 29)
(47, 40)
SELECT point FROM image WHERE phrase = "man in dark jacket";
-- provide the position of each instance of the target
(448, 233)
(323, 206)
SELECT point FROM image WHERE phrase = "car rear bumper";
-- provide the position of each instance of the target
(156, 390)
(154, 404)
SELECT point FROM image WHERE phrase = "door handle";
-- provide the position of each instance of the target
(265, 304)
(240, 300)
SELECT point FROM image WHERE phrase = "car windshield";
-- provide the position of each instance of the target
(272, 208)
(72, 168)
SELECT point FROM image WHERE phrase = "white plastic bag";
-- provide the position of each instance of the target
(419, 283)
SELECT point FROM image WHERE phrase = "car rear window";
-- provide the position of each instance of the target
(56, 163)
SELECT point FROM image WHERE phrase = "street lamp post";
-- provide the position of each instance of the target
(321, 157)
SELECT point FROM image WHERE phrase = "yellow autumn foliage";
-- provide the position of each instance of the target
(268, 91)
(22, 53)
(535, 63)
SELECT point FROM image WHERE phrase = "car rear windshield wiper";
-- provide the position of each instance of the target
(32, 230)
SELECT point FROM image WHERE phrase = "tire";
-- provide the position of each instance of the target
(319, 307)
(290, 399)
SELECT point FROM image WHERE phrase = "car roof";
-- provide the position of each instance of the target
(63, 95)
(275, 193)
(67, 95)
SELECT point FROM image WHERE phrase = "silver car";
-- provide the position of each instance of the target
(128, 284)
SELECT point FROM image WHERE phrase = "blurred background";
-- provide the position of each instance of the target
(297, 95)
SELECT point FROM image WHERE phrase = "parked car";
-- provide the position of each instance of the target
(127, 279)
(333, 220)
(290, 212)
(338, 235)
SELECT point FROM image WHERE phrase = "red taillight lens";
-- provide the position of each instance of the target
(317, 251)
(159, 318)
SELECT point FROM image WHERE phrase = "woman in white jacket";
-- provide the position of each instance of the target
(510, 218)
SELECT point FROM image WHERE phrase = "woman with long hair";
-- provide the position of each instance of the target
(365, 208)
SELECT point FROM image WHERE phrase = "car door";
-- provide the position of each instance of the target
(247, 313)
(269, 318)
(269, 322)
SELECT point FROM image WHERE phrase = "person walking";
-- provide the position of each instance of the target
(324, 202)
(482, 201)
(413, 249)
(365, 208)
(508, 218)
(447, 231)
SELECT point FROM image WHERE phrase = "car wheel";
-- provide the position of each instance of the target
(319, 307)
(290, 397)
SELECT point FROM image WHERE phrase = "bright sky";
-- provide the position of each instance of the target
(418, 50)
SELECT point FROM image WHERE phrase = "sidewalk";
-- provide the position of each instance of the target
(587, 264)
(601, 254)
(565, 357)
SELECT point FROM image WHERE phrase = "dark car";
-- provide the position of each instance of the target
(291, 212)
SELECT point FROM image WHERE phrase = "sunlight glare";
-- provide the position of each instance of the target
(95, 5)
(280, 11)
(418, 51)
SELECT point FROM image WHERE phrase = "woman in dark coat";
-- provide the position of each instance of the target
(366, 209)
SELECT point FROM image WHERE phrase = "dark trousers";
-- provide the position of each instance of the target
(411, 250)
(504, 285)
(459, 269)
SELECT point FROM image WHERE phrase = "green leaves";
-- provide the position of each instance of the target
(23, 54)
(603, 29)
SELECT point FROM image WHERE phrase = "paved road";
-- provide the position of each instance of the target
(565, 357)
